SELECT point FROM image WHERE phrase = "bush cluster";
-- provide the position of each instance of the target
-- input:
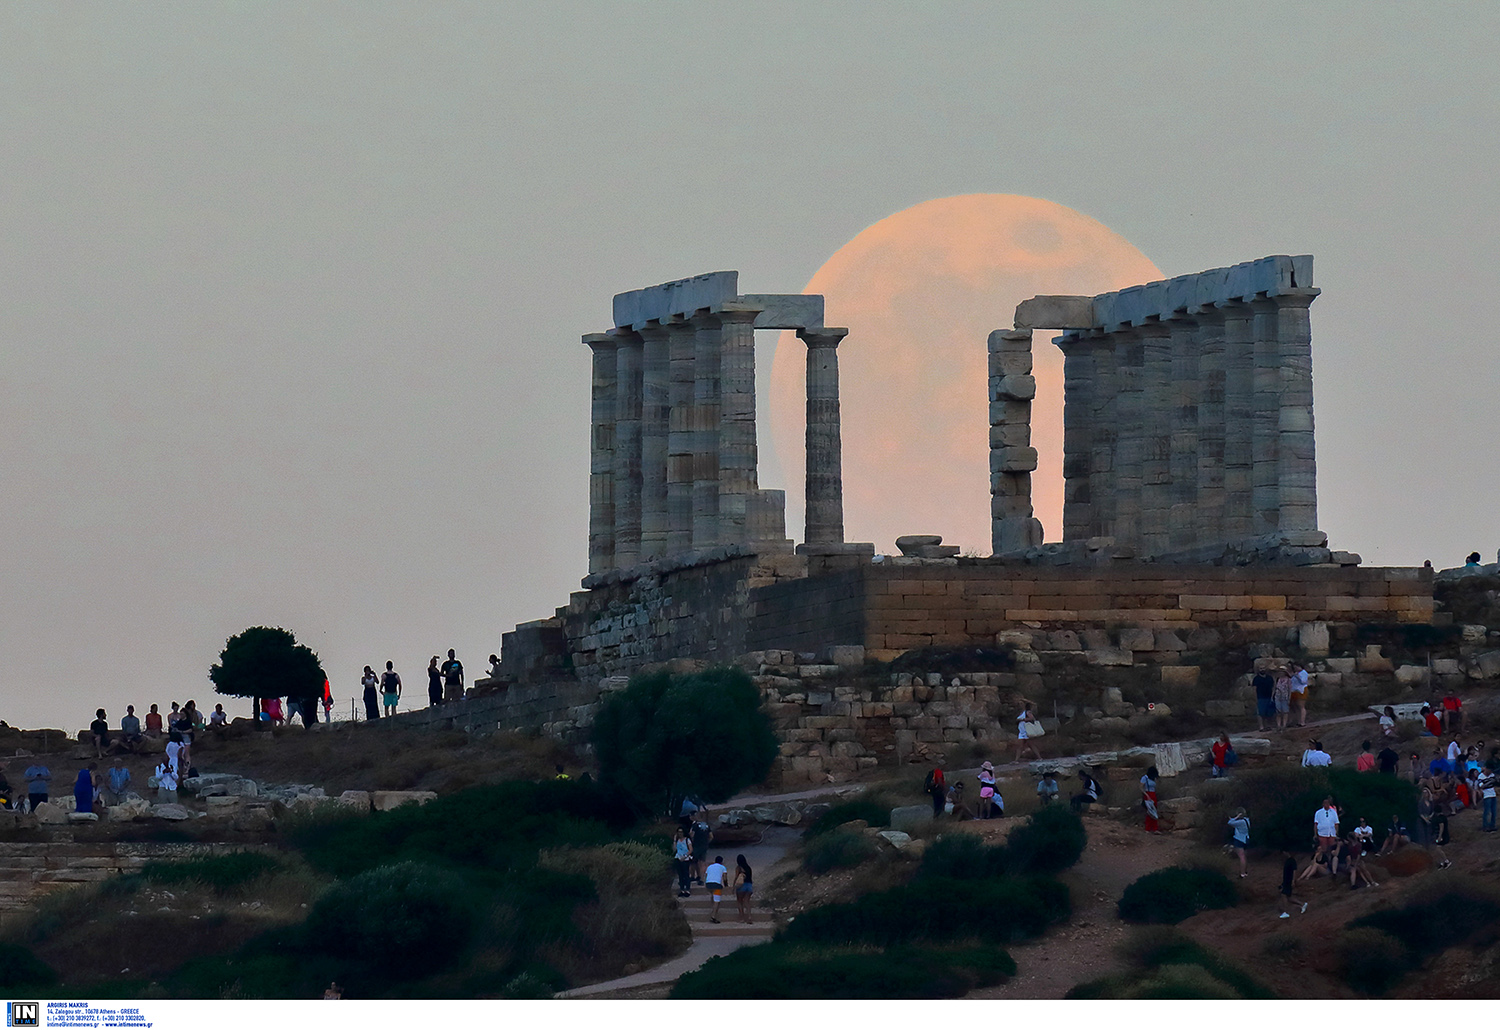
(837, 849)
(873, 809)
(223, 873)
(774, 971)
(1168, 965)
(1380, 948)
(937, 910)
(20, 968)
(1173, 894)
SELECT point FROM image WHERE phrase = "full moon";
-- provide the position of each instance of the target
(920, 292)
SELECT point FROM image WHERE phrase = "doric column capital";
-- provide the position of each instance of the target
(823, 337)
(737, 314)
(653, 330)
(600, 341)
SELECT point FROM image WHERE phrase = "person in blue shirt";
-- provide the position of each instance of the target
(38, 780)
(119, 780)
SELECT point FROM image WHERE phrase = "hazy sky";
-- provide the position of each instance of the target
(291, 294)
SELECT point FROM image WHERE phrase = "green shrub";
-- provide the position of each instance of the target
(937, 910)
(492, 828)
(1372, 962)
(664, 736)
(1173, 894)
(1168, 965)
(873, 809)
(1182, 983)
(1281, 802)
(20, 968)
(1050, 840)
(837, 849)
(224, 873)
(780, 971)
(963, 856)
(409, 919)
(1441, 916)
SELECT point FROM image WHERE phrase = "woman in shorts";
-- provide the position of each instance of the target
(986, 779)
(744, 887)
(1281, 697)
(1022, 742)
(1395, 835)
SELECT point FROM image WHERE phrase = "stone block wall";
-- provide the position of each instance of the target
(31, 870)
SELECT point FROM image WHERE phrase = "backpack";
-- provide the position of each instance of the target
(934, 780)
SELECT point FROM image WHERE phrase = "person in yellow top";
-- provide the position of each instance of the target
(560, 774)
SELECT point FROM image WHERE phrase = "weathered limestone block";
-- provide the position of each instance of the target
(83, 817)
(1488, 664)
(1313, 638)
(911, 818)
(359, 800)
(174, 813)
(846, 655)
(1447, 666)
(1180, 675)
(1012, 388)
(1137, 639)
(1168, 640)
(1340, 664)
(1013, 459)
(1411, 675)
(385, 800)
(1110, 656)
(1063, 640)
(1217, 708)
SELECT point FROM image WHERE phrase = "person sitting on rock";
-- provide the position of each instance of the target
(1090, 794)
(956, 803)
(130, 729)
(1046, 787)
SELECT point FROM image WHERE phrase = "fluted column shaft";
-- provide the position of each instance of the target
(680, 437)
(1239, 420)
(1156, 461)
(655, 392)
(1208, 341)
(1130, 442)
(1104, 437)
(824, 484)
(1265, 493)
(737, 446)
(1078, 435)
(1296, 460)
(602, 453)
(706, 345)
(1182, 464)
(1013, 526)
(627, 456)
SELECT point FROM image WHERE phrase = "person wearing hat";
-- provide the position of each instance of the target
(987, 793)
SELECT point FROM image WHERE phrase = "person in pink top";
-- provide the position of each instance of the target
(1366, 761)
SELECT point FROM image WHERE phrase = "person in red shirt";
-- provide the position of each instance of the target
(1432, 722)
(1453, 711)
(1219, 751)
(1366, 761)
(153, 722)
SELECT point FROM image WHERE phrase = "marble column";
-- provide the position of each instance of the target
(1104, 437)
(1212, 376)
(737, 446)
(681, 343)
(1012, 458)
(602, 453)
(1156, 459)
(1239, 419)
(655, 387)
(1078, 434)
(824, 484)
(706, 344)
(1130, 442)
(627, 478)
(1182, 520)
(1296, 460)
(1265, 495)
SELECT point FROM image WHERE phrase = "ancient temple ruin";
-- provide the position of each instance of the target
(673, 459)
(1187, 415)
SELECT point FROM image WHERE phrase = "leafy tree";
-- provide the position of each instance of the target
(266, 662)
(664, 736)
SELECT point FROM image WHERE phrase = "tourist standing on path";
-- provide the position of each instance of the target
(1281, 697)
(986, 778)
(453, 678)
(1366, 761)
(1299, 693)
(937, 787)
(390, 686)
(1023, 734)
(434, 683)
(1315, 757)
(1265, 701)
(713, 881)
(1430, 823)
(372, 699)
(1453, 712)
(1486, 787)
(1388, 760)
(1219, 756)
(38, 781)
(1148, 799)
(682, 857)
(702, 836)
(1239, 838)
(744, 887)
(1326, 826)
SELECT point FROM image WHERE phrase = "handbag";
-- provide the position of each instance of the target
(1034, 729)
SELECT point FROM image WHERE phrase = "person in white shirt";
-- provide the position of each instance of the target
(1326, 825)
(1315, 755)
(713, 882)
(1487, 796)
(1299, 693)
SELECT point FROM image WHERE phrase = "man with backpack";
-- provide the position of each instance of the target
(937, 786)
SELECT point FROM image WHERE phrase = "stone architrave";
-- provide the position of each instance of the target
(681, 438)
(627, 479)
(655, 408)
(737, 445)
(706, 344)
(602, 453)
(824, 483)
